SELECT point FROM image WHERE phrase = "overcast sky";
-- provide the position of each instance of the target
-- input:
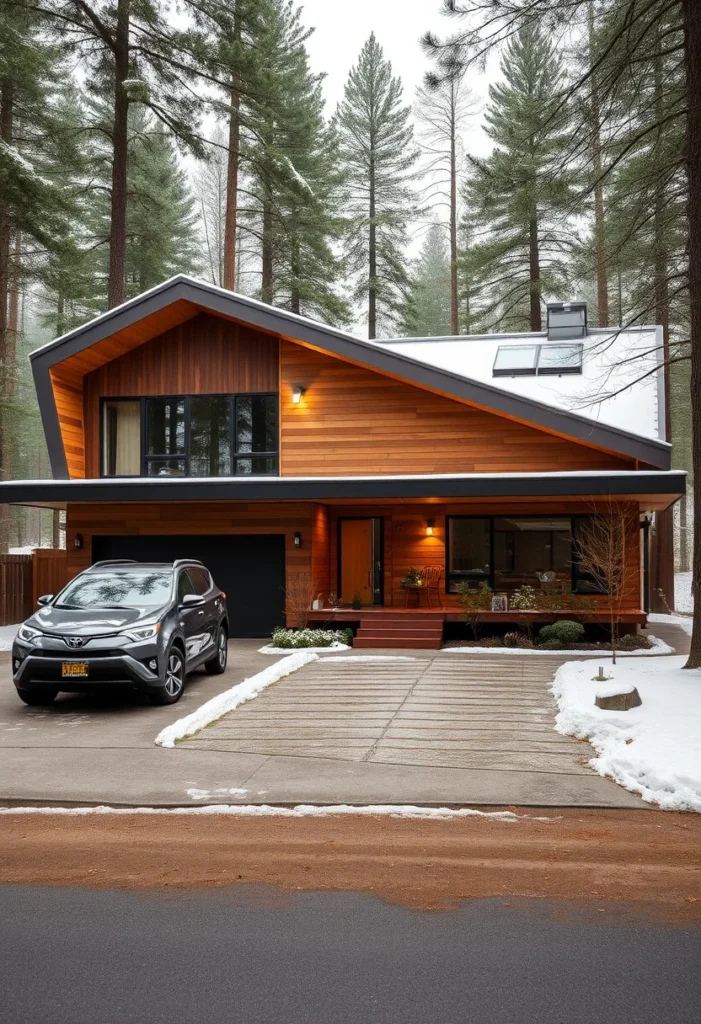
(342, 26)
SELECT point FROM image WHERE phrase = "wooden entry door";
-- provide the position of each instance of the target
(360, 560)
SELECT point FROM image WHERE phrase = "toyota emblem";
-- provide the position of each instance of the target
(75, 641)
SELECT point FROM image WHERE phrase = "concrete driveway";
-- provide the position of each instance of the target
(438, 729)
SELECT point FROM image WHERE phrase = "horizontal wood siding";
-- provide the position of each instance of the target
(353, 421)
(219, 518)
(205, 355)
(321, 551)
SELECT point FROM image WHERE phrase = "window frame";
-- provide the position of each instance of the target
(146, 459)
(453, 578)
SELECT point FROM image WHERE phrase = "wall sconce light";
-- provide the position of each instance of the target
(298, 539)
(429, 527)
(78, 540)
(297, 393)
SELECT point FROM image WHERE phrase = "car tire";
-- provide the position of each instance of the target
(173, 682)
(38, 695)
(217, 664)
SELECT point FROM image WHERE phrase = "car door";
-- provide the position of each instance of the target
(205, 589)
(192, 619)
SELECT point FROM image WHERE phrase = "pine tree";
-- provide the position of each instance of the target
(161, 217)
(520, 196)
(292, 176)
(379, 157)
(429, 308)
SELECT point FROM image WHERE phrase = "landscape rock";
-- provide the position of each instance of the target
(626, 698)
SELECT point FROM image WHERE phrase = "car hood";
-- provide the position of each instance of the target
(90, 621)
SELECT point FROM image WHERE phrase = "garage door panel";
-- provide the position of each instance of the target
(249, 568)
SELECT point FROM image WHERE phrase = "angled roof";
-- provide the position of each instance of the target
(185, 296)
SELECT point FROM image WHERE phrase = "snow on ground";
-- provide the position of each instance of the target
(299, 811)
(230, 699)
(658, 647)
(683, 601)
(7, 635)
(653, 750)
(314, 650)
(686, 622)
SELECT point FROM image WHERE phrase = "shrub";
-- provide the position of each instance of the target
(491, 641)
(552, 645)
(412, 577)
(515, 639)
(296, 638)
(634, 642)
(564, 632)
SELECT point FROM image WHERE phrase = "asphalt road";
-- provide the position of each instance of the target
(72, 956)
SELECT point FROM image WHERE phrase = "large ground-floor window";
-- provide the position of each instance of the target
(508, 552)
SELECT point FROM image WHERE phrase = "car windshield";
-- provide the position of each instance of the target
(118, 590)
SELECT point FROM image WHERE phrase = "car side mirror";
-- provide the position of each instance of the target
(45, 599)
(191, 601)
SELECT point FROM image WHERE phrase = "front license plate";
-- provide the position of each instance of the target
(74, 669)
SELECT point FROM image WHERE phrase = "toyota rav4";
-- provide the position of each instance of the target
(144, 624)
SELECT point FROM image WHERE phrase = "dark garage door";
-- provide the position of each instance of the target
(249, 569)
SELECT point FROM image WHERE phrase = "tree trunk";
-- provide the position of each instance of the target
(232, 166)
(295, 270)
(454, 329)
(266, 289)
(55, 528)
(6, 134)
(116, 283)
(691, 15)
(534, 272)
(372, 256)
(683, 535)
(602, 291)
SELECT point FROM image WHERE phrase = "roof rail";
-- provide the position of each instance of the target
(114, 561)
(187, 561)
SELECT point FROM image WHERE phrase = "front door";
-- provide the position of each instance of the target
(360, 562)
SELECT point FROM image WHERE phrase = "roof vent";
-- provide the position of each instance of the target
(567, 320)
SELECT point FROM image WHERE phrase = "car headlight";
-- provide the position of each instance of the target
(142, 632)
(28, 633)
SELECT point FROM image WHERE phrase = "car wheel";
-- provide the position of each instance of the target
(217, 663)
(38, 695)
(173, 682)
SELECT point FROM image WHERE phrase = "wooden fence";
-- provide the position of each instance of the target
(24, 578)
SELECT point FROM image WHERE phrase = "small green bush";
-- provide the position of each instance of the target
(564, 632)
(297, 638)
(552, 645)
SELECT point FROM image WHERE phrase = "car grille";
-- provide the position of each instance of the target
(79, 653)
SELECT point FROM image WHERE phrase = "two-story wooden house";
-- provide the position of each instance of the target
(192, 421)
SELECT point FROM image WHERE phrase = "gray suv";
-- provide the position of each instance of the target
(145, 624)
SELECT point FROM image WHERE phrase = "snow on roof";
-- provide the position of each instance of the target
(620, 384)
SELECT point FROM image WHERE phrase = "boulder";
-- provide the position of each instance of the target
(618, 698)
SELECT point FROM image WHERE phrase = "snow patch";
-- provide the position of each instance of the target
(299, 811)
(230, 699)
(7, 636)
(683, 598)
(314, 650)
(658, 647)
(614, 689)
(209, 794)
(653, 750)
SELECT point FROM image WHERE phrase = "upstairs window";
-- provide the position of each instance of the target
(190, 435)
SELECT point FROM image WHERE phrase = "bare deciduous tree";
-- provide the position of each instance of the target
(300, 592)
(606, 546)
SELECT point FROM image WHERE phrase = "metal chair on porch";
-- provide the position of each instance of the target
(431, 576)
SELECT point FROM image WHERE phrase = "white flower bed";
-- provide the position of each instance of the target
(658, 647)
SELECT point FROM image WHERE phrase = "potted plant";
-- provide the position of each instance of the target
(357, 601)
(412, 578)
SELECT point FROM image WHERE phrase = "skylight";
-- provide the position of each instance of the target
(529, 360)
(516, 360)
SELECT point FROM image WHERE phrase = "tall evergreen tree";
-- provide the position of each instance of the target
(379, 157)
(520, 196)
(428, 310)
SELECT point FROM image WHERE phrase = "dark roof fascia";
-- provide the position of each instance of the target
(478, 485)
(329, 339)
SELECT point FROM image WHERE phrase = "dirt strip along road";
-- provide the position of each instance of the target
(650, 859)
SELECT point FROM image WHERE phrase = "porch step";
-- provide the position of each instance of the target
(427, 632)
(431, 644)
